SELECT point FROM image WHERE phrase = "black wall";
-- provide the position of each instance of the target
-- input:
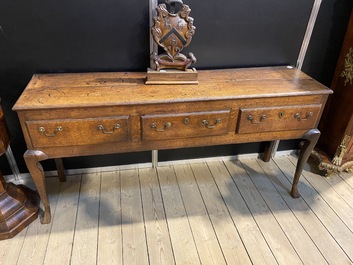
(38, 36)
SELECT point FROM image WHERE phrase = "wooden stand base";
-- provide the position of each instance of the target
(171, 77)
(19, 207)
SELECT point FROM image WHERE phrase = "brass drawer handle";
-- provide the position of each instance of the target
(43, 131)
(104, 130)
(251, 118)
(207, 124)
(308, 116)
(166, 126)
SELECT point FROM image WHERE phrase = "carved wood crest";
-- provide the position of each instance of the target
(173, 32)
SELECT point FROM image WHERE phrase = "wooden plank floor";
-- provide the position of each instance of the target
(218, 212)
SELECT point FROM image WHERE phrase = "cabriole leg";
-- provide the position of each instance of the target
(32, 159)
(311, 137)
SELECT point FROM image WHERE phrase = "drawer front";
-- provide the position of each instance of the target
(271, 119)
(184, 125)
(69, 132)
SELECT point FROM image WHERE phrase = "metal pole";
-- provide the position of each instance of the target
(152, 13)
(308, 33)
(153, 48)
(154, 158)
(12, 162)
(302, 53)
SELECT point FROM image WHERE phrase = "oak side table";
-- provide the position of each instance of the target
(79, 114)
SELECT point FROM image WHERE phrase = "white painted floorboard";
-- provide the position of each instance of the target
(210, 212)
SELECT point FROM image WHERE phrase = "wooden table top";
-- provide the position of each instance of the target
(46, 91)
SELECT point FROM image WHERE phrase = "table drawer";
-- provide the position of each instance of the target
(271, 119)
(68, 132)
(184, 125)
